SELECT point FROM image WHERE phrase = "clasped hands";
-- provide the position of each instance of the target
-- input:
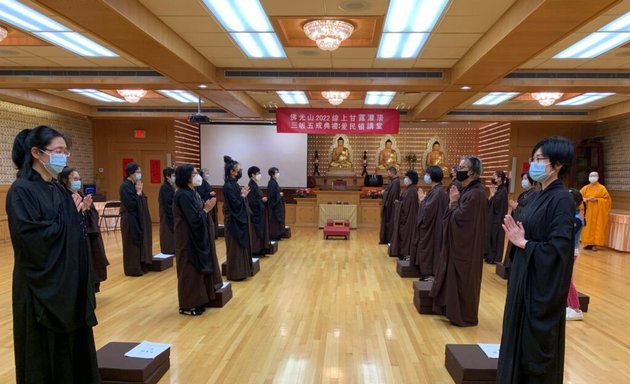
(514, 231)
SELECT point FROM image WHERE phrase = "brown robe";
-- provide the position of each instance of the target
(427, 241)
(96, 247)
(165, 200)
(235, 217)
(275, 211)
(406, 224)
(136, 230)
(259, 222)
(457, 284)
(195, 262)
(390, 195)
(497, 209)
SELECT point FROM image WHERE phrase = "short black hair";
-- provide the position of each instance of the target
(272, 171)
(531, 181)
(435, 173)
(577, 197)
(559, 150)
(183, 174)
(476, 166)
(412, 175)
(504, 179)
(131, 168)
(167, 172)
(252, 171)
(392, 169)
(64, 176)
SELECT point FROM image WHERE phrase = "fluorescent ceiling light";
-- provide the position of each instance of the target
(407, 27)
(379, 98)
(48, 29)
(494, 98)
(97, 95)
(612, 35)
(585, 98)
(293, 97)
(249, 26)
(181, 96)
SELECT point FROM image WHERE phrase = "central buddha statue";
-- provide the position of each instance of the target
(387, 157)
(436, 157)
(340, 156)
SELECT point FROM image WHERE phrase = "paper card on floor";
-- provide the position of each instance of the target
(147, 350)
(162, 256)
(491, 350)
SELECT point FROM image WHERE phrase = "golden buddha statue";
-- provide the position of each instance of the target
(436, 157)
(388, 157)
(340, 156)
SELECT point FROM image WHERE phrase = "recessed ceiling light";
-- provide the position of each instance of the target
(179, 95)
(585, 98)
(379, 97)
(203, 86)
(293, 97)
(465, 88)
(18, 14)
(97, 95)
(612, 35)
(494, 98)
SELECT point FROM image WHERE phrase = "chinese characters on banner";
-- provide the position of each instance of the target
(338, 120)
(156, 171)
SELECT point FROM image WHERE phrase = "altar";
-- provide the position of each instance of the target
(367, 212)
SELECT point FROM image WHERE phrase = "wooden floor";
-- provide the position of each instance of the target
(332, 311)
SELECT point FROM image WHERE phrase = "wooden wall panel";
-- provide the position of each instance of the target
(494, 149)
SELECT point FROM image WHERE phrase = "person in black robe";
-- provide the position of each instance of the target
(71, 180)
(276, 206)
(206, 193)
(165, 201)
(53, 294)
(236, 219)
(457, 285)
(497, 209)
(405, 227)
(193, 252)
(530, 188)
(259, 229)
(135, 223)
(532, 343)
(427, 241)
(391, 193)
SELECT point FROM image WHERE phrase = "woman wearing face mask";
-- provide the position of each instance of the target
(408, 209)
(194, 249)
(71, 179)
(457, 283)
(517, 206)
(497, 209)
(53, 293)
(135, 223)
(239, 256)
(532, 344)
(428, 235)
(276, 206)
(259, 229)
(165, 201)
(206, 193)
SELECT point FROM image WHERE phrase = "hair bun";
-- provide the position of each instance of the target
(226, 159)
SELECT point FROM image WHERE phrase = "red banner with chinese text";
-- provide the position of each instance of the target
(156, 171)
(337, 120)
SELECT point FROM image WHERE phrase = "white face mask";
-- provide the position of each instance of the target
(278, 175)
(258, 177)
(593, 179)
(197, 180)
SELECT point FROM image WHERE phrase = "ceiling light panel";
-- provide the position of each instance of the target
(293, 97)
(612, 35)
(97, 95)
(585, 98)
(179, 95)
(379, 97)
(21, 16)
(494, 98)
(249, 26)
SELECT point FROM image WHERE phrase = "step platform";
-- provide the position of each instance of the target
(273, 247)
(468, 364)
(255, 267)
(287, 232)
(421, 299)
(222, 296)
(584, 301)
(160, 262)
(502, 270)
(221, 230)
(116, 368)
(404, 269)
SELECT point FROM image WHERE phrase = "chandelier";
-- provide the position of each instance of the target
(3, 33)
(132, 95)
(546, 98)
(328, 34)
(335, 97)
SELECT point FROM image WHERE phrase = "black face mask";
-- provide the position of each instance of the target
(239, 174)
(461, 175)
(494, 182)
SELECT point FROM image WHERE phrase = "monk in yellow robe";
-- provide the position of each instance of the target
(598, 204)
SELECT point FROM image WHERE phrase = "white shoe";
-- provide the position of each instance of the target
(572, 314)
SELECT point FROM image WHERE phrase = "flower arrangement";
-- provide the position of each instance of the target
(303, 192)
(411, 159)
(374, 194)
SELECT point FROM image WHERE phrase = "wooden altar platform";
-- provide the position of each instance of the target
(368, 211)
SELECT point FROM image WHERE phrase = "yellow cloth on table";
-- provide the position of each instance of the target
(596, 230)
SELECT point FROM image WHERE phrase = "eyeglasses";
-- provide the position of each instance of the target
(538, 160)
(56, 151)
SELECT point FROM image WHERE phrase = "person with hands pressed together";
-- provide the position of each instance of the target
(259, 229)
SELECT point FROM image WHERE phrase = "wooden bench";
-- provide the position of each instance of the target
(337, 228)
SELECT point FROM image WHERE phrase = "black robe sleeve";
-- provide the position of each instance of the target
(238, 222)
(129, 199)
(275, 200)
(165, 200)
(204, 190)
(198, 248)
(257, 207)
(498, 204)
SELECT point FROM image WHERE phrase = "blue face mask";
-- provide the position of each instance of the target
(427, 179)
(406, 181)
(138, 176)
(525, 184)
(538, 172)
(75, 185)
(56, 163)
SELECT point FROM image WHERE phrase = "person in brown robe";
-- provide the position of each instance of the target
(206, 193)
(275, 206)
(427, 242)
(497, 209)
(405, 227)
(391, 193)
(165, 201)
(71, 180)
(236, 219)
(135, 223)
(457, 284)
(259, 228)
(193, 252)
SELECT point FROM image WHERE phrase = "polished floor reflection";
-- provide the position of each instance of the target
(332, 311)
